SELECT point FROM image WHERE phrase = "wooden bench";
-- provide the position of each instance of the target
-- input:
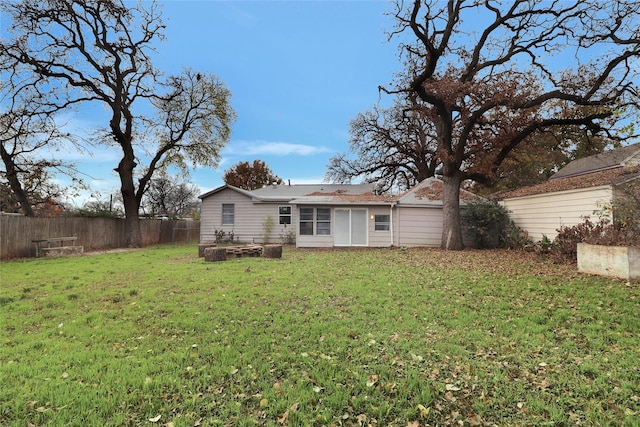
(57, 246)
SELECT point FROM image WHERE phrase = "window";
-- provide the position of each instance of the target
(228, 215)
(318, 219)
(323, 221)
(306, 221)
(284, 214)
(382, 222)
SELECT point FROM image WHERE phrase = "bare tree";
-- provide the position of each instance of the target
(394, 147)
(165, 196)
(489, 73)
(99, 51)
(26, 129)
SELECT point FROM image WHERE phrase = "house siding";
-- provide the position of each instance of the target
(544, 214)
(248, 218)
(418, 226)
(380, 239)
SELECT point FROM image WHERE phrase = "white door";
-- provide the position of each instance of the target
(351, 227)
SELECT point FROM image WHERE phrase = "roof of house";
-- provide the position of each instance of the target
(430, 192)
(294, 191)
(586, 180)
(608, 160)
(272, 193)
(427, 192)
(608, 168)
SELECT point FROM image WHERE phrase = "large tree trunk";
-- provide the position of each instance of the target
(133, 237)
(451, 225)
(14, 182)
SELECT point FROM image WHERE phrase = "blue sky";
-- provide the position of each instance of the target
(298, 71)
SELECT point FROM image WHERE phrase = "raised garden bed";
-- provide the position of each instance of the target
(622, 262)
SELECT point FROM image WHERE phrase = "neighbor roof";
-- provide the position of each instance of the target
(608, 160)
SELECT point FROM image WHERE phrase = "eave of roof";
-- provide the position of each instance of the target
(590, 180)
(224, 187)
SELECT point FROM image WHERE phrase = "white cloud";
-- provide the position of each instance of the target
(272, 148)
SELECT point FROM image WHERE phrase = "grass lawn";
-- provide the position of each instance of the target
(343, 337)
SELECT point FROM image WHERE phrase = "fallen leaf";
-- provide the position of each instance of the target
(282, 419)
(424, 412)
(155, 419)
(373, 379)
(451, 387)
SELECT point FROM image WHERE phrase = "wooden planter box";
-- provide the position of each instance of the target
(613, 261)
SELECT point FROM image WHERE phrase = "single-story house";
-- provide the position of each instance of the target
(581, 188)
(327, 215)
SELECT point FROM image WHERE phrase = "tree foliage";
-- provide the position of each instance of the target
(100, 52)
(488, 76)
(250, 176)
(393, 147)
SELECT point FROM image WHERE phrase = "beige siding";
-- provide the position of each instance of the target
(543, 214)
(248, 218)
(315, 241)
(380, 239)
(418, 226)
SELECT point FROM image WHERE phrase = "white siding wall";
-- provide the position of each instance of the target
(418, 226)
(543, 214)
(379, 239)
(248, 218)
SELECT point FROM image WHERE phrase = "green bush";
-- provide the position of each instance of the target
(488, 223)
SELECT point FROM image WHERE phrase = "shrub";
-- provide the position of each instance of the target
(488, 223)
(602, 232)
(288, 237)
(267, 227)
(219, 235)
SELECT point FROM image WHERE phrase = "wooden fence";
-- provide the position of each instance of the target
(17, 232)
